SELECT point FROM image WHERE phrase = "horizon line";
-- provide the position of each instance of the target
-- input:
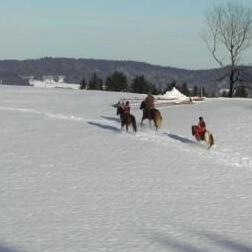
(117, 60)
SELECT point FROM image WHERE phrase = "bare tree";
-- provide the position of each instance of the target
(228, 35)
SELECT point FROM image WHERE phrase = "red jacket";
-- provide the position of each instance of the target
(202, 126)
(126, 109)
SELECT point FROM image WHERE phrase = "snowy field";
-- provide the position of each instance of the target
(70, 181)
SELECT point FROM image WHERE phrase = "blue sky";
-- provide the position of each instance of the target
(163, 32)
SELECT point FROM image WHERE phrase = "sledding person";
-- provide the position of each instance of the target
(199, 130)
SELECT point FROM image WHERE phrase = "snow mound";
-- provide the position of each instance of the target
(175, 94)
(172, 97)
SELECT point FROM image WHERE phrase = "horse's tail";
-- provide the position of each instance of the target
(158, 119)
(134, 125)
(210, 139)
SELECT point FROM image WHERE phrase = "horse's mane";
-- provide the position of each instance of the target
(143, 105)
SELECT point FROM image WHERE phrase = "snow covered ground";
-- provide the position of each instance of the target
(71, 181)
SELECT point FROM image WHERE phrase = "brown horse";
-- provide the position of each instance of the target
(152, 114)
(126, 119)
(207, 137)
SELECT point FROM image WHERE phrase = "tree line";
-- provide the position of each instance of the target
(118, 82)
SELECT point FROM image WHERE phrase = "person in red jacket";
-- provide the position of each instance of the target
(126, 108)
(200, 129)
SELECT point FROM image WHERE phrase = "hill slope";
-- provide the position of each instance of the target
(14, 72)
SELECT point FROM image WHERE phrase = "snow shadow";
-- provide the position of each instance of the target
(180, 138)
(115, 119)
(180, 246)
(104, 126)
(5, 249)
(226, 242)
(220, 241)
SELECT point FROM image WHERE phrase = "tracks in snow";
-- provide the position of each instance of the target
(57, 116)
(226, 157)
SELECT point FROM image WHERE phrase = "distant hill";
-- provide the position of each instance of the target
(17, 72)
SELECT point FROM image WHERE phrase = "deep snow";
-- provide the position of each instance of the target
(71, 181)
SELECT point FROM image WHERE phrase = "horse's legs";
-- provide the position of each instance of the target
(193, 130)
(156, 125)
(143, 118)
(150, 123)
(127, 127)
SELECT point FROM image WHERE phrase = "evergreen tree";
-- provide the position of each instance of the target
(184, 89)
(153, 89)
(241, 92)
(95, 83)
(117, 82)
(224, 94)
(171, 85)
(213, 94)
(204, 93)
(195, 91)
(140, 85)
(83, 84)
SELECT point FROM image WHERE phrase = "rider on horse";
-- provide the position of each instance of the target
(126, 108)
(126, 118)
(149, 104)
(200, 129)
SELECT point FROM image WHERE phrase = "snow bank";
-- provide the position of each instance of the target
(53, 84)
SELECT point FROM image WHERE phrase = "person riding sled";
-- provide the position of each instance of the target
(199, 130)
